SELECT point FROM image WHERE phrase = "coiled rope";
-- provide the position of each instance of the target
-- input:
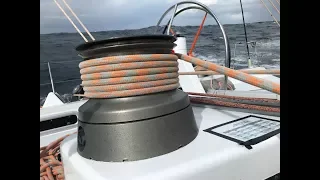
(131, 75)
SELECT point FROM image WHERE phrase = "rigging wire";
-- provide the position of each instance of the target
(84, 38)
(74, 14)
(274, 6)
(245, 33)
(270, 12)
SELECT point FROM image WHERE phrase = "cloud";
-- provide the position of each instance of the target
(99, 15)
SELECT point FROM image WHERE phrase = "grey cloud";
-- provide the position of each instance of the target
(99, 15)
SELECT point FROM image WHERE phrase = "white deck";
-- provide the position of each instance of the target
(52, 112)
(207, 157)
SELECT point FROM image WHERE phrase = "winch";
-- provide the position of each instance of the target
(135, 110)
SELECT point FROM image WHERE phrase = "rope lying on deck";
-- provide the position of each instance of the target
(51, 166)
(266, 100)
(131, 75)
(259, 104)
(218, 102)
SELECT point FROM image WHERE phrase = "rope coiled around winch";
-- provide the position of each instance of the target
(130, 75)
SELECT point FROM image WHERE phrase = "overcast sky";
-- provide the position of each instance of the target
(102, 15)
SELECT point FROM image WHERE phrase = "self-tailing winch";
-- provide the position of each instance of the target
(135, 110)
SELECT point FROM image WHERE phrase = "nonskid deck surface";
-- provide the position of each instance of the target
(206, 156)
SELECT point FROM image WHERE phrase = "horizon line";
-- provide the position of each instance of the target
(147, 27)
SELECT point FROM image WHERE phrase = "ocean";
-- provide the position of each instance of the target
(59, 50)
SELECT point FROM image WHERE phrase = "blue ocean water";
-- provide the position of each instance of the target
(59, 50)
